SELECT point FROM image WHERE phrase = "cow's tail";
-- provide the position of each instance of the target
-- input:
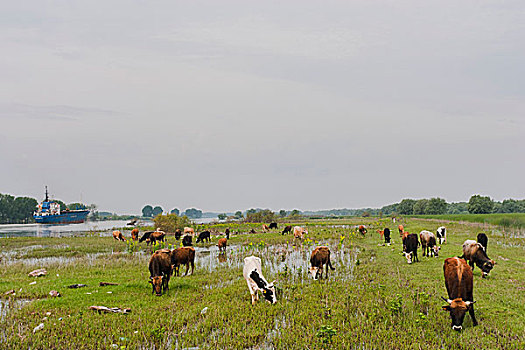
(330, 265)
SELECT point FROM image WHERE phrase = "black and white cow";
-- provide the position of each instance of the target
(441, 234)
(256, 282)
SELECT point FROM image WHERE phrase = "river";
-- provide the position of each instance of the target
(42, 230)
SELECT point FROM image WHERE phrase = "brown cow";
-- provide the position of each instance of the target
(459, 283)
(178, 234)
(160, 271)
(118, 236)
(135, 234)
(265, 228)
(184, 255)
(152, 237)
(222, 244)
(362, 230)
(320, 256)
(475, 254)
(189, 231)
(401, 229)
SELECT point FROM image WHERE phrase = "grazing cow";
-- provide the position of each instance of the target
(428, 242)
(459, 283)
(183, 256)
(189, 231)
(204, 235)
(252, 273)
(401, 229)
(186, 241)
(135, 234)
(160, 271)
(299, 232)
(273, 225)
(320, 256)
(441, 234)
(475, 254)
(287, 229)
(178, 234)
(362, 230)
(222, 244)
(483, 240)
(385, 234)
(265, 228)
(411, 243)
(118, 236)
(227, 232)
(152, 237)
(252, 231)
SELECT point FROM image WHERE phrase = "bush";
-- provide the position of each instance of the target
(171, 222)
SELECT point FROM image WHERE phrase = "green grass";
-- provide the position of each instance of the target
(513, 220)
(373, 299)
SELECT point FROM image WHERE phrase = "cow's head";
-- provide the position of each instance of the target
(457, 309)
(408, 256)
(269, 293)
(314, 271)
(156, 283)
(436, 249)
(486, 267)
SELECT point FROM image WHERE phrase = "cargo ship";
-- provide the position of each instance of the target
(48, 212)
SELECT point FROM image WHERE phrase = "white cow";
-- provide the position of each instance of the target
(441, 234)
(253, 275)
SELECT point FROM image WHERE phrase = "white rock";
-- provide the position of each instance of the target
(39, 327)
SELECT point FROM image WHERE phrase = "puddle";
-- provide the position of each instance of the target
(8, 305)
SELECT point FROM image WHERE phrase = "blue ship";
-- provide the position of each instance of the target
(48, 212)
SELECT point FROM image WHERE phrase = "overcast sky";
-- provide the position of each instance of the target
(228, 105)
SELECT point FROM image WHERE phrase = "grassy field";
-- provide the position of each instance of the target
(373, 299)
(507, 221)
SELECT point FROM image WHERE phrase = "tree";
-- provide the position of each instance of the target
(480, 204)
(238, 215)
(295, 213)
(366, 214)
(457, 208)
(510, 206)
(222, 216)
(420, 207)
(406, 207)
(23, 209)
(193, 213)
(436, 206)
(264, 215)
(76, 206)
(282, 213)
(171, 222)
(157, 211)
(147, 211)
(175, 211)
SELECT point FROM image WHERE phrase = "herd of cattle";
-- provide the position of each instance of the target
(458, 274)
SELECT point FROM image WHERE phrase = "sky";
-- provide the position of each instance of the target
(230, 105)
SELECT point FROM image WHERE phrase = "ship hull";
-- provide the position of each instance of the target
(70, 217)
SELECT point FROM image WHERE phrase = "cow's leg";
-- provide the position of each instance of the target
(471, 263)
(471, 312)
(192, 267)
(187, 268)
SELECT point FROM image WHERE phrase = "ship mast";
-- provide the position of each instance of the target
(47, 196)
